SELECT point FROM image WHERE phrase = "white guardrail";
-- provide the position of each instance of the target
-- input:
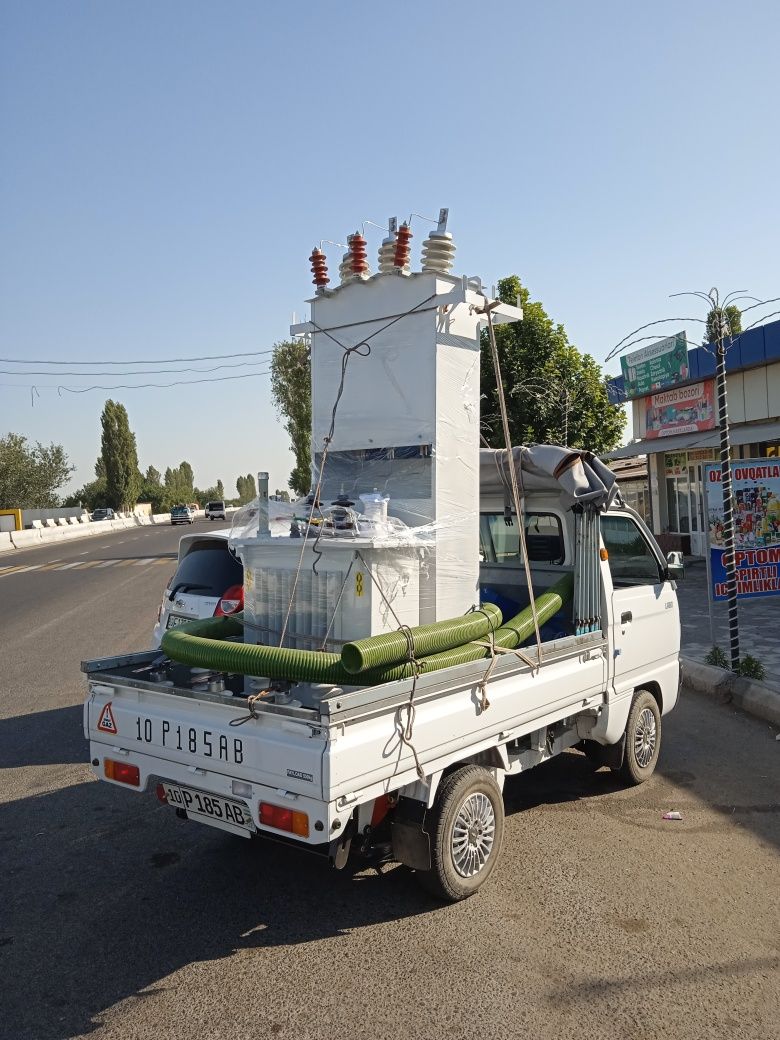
(65, 529)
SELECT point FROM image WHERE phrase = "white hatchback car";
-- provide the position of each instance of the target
(208, 582)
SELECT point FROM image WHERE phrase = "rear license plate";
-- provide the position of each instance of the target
(174, 620)
(211, 808)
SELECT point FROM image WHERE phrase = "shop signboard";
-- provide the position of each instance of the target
(652, 368)
(756, 487)
(683, 409)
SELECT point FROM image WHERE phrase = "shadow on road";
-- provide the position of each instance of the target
(105, 894)
(43, 738)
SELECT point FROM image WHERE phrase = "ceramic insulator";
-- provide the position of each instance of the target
(438, 252)
(402, 248)
(319, 268)
(357, 246)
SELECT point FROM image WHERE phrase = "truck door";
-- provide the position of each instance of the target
(645, 622)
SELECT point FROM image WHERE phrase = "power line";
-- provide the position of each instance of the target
(139, 361)
(138, 372)
(131, 386)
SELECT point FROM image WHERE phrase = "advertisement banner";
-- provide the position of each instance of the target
(652, 368)
(756, 485)
(685, 409)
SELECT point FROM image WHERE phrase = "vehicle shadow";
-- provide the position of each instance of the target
(105, 894)
(43, 738)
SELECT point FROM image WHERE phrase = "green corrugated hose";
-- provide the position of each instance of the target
(203, 644)
(393, 647)
(511, 634)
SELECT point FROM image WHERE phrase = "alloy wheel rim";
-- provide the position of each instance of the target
(473, 834)
(645, 738)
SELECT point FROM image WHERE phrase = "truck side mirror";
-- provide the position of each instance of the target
(675, 566)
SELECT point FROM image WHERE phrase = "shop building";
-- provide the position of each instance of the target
(672, 397)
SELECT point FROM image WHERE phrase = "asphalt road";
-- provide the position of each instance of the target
(117, 920)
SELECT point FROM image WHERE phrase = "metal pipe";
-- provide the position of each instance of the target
(263, 524)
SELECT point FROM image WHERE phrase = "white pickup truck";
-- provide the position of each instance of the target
(356, 768)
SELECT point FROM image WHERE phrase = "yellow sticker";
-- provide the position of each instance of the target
(359, 583)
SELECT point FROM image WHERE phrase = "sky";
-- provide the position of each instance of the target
(166, 168)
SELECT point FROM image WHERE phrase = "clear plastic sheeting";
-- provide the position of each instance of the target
(579, 477)
(246, 519)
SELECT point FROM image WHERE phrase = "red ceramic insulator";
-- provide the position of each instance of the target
(357, 246)
(402, 246)
(319, 268)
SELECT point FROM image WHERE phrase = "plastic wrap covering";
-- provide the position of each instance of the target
(577, 476)
(246, 519)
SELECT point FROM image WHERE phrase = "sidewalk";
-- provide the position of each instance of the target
(759, 623)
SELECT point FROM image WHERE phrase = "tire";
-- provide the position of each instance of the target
(643, 739)
(466, 827)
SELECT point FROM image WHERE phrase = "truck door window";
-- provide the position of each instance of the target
(631, 560)
(499, 541)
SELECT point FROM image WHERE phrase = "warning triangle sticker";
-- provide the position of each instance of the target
(106, 722)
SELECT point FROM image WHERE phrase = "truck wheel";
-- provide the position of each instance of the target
(643, 739)
(466, 827)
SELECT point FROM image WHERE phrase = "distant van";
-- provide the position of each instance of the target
(216, 511)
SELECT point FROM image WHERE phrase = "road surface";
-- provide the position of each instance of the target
(117, 920)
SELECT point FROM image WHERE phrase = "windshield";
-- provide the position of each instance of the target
(216, 505)
(210, 564)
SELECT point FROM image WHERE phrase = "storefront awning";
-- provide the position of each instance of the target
(748, 433)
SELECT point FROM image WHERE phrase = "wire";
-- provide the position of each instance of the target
(139, 372)
(158, 386)
(140, 361)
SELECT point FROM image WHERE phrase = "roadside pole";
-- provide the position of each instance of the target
(708, 554)
(728, 505)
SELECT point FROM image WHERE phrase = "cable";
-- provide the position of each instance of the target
(139, 372)
(140, 361)
(158, 386)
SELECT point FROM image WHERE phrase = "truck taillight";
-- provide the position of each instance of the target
(160, 792)
(232, 601)
(122, 772)
(284, 819)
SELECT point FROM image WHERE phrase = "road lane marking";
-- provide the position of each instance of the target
(84, 565)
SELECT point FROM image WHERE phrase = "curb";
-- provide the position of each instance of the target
(753, 697)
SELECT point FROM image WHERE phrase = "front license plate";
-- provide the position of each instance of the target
(174, 621)
(210, 808)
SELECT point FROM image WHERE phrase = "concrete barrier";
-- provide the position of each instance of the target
(37, 525)
(5, 541)
(73, 520)
(23, 539)
(728, 688)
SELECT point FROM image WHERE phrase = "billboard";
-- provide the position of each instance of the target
(652, 368)
(756, 487)
(684, 409)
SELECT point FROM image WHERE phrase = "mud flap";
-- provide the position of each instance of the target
(610, 755)
(411, 843)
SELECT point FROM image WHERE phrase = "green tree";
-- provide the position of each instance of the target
(247, 489)
(291, 391)
(91, 496)
(220, 490)
(120, 457)
(553, 392)
(31, 475)
(731, 319)
(187, 478)
(152, 476)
